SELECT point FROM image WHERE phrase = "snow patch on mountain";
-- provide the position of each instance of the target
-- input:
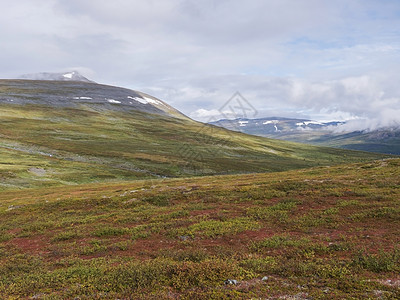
(153, 101)
(68, 75)
(146, 100)
(306, 123)
(271, 122)
(113, 101)
(83, 98)
(138, 99)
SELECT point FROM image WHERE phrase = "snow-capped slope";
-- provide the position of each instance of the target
(275, 125)
(64, 76)
(386, 140)
(77, 93)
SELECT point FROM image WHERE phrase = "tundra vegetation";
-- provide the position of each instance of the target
(323, 232)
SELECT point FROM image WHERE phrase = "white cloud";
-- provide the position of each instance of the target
(205, 115)
(318, 57)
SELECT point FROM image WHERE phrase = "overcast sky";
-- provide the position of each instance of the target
(323, 59)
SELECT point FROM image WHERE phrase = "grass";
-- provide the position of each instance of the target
(324, 232)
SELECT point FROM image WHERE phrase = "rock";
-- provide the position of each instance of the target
(12, 207)
(184, 237)
(38, 171)
(265, 278)
(230, 282)
(130, 201)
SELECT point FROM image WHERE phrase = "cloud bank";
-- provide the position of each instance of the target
(305, 58)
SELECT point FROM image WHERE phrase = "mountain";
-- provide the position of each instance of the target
(65, 76)
(384, 140)
(81, 94)
(276, 126)
(70, 132)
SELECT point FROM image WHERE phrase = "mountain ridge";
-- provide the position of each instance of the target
(320, 133)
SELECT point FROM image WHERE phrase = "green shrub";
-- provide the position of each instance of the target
(4, 236)
(66, 235)
(158, 200)
(123, 246)
(261, 265)
(94, 247)
(110, 231)
(384, 261)
(213, 228)
(277, 213)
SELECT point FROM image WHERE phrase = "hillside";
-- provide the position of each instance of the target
(384, 140)
(69, 132)
(321, 233)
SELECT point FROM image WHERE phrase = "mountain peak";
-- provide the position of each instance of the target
(63, 76)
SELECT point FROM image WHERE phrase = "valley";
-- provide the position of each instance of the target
(74, 134)
(109, 193)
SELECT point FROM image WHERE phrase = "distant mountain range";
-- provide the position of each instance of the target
(385, 140)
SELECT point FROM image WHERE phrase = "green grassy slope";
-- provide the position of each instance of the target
(46, 145)
(320, 233)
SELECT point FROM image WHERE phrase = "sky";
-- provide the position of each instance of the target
(317, 59)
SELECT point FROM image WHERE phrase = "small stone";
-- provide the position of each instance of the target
(230, 282)
(130, 201)
(12, 207)
(184, 237)
(265, 278)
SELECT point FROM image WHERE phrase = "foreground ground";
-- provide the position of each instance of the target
(326, 232)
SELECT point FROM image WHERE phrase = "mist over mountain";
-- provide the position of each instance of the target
(340, 134)
(64, 76)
